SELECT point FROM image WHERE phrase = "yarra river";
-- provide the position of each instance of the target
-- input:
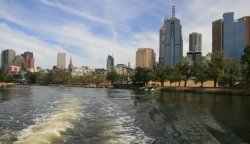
(40, 114)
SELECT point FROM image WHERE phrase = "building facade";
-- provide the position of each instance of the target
(171, 42)
(29, 60)
(217, 35)
(145, 58)
(7, 58)
(195, 42)
(61, 60)
(110, 62)
(70, 66)
(195, 46)
(246, 21)
(233, 33)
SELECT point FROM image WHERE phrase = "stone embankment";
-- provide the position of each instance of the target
(2, 85)
(224, 91)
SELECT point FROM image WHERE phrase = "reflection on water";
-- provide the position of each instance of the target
(33, 114)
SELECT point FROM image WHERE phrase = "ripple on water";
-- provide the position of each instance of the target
(49, 127)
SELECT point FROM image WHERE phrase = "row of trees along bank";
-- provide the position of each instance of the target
(214, 66)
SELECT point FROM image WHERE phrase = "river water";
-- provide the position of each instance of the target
(39, 114)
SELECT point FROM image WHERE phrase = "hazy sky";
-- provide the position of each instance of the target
(89, 30)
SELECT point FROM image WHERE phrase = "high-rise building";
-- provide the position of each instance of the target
(110, 62)
(171, 43)
(29, 60)
(217, 35)
(61, 60)
(195, 46)
(145, 58)
(19, 61)
(7, 58)
(246, 21)
(195, 42)
(231, 35)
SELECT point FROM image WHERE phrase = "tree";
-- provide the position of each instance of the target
(245, 60)
(215, 65)
(184, 68)
(231, 72)
(142, 76)
(112, 76)
(163, 73)
(200, 70)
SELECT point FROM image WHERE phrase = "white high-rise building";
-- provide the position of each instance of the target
(61, 60)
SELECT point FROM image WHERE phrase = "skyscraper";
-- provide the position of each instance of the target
(246, 21)
(233, 33)
(7, 58)
(217, 35)
(110, 62)
(195, 46)
(195, 42)
(145, 58)
(61, 60)
(171, 43)
(29, 60)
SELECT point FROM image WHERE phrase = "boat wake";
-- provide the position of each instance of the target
(51, 126)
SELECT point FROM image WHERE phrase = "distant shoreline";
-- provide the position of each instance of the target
(218, 90)
(4, 85)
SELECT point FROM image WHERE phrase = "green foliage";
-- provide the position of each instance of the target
(215, 62)
(200, 70)
(245, 61)
(184, 69)
(163, 73)
(142, 76)
(112, 76)
(4, 77)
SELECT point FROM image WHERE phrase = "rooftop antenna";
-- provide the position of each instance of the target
(173, 8)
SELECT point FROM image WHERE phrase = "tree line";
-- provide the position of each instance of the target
(214, 66)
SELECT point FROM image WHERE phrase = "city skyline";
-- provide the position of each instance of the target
(90, 31)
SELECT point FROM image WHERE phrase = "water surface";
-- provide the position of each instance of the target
(37, 114)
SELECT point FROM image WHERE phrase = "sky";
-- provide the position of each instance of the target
(90, 30)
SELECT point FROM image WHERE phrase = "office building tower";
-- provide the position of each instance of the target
(195, 46)
(233, 33)
(195, 42)
(7, 58)
(110, 62)
(217, 35)
(29, 60)
(145, 58)
(246, 21)
(171, 43)
(19, 61)
(61, 60)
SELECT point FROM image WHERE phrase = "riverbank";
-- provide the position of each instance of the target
(3, 85)
(223, 91)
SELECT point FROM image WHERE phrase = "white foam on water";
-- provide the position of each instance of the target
(122, 129)
(51, 127)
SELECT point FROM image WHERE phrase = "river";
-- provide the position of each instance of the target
(58, 114)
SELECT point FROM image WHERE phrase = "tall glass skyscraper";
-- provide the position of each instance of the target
(110, 62)
(233, 34)
(171, 43)
(8, 56)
